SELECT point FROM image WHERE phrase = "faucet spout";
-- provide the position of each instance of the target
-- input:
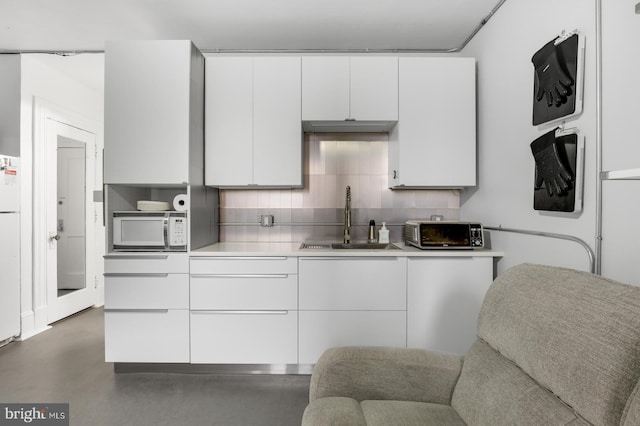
(347, 216)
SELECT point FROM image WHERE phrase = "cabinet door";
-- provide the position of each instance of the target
(325, 88)
(434, 142)
(444, 298)
(338, 283)
(147, 110)
(228, 121)
(374, 88)
(277, 125)
(321, 330)
(146, 335)
(247, 291)
(244, 337)
(146, 291)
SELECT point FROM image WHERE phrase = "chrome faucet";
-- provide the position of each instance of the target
(347, 216)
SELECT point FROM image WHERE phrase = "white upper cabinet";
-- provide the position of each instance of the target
(374, 88)
(153, 112)
(228, 121)
(347, 89)
(325, 88)
(253, 133)
(434, 143)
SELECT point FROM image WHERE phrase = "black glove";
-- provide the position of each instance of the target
(549, 167)
(551, 81)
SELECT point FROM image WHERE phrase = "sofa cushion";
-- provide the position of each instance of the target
(631, 415)
(575, 333)
(334, 410)
(378, 373)
(408, 413)
(494, 391)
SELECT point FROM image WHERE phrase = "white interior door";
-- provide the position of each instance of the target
(70, 219)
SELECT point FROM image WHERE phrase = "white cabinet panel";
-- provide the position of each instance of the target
(336, 88)
(148, 110)
(228, 117)
(146, 291)
(321, 330)
(374, 88)
(253, 129)
(244, 291)
(325, 88)
(372, 283)
(147, 336)
(444, 300)
(244, 337)
(244, 265)
(277, 123)
(434, 142)
(140, 264)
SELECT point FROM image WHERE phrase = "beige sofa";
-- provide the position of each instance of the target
(555, 347)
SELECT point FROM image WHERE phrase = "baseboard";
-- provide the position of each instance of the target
(33, 323)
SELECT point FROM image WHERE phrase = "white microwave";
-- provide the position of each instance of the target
(149, 231)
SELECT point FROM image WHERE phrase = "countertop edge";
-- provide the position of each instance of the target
(293, 250)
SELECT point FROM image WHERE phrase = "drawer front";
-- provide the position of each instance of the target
(244, 337)
(244, 265)
(147, 263)
(146, 291)
(321, 330)
(244, 291)
(375, 283)
(146, 336)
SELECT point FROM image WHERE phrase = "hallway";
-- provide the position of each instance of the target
(66, 364)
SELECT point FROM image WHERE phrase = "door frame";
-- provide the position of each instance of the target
(42, 210)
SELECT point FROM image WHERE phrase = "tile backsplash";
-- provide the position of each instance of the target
(316, 211)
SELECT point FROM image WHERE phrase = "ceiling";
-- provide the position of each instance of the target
(314, 25)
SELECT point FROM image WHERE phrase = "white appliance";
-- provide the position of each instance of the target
(9, 248)
(150, 231)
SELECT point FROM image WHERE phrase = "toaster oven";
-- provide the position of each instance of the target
(427, 234)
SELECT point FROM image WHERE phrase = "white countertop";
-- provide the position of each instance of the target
(293, 249)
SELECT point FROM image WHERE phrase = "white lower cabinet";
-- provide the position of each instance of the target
(320, 330)
(244, 310)
(351, 301)
(147, 308)
(444, 299)
(244, 337)
(147, 335)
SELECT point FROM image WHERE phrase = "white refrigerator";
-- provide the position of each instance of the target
(9, 248)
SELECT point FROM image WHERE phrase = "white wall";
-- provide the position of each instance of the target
(621, 139)
(10, 105)
(504, 195)
(41, 78)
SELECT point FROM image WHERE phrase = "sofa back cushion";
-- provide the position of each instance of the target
(493, 391)
(576, 334)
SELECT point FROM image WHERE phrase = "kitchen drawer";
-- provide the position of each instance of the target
(244, 265)
(146, 291)
(147, 263)
(320, 330)
(244, 337)
(257, 291)
(342, 283)
(146, 335)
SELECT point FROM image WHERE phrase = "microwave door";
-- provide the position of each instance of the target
(140, 232)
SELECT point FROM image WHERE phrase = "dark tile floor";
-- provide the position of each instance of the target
(66, 364)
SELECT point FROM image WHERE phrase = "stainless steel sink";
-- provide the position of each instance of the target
(350, 246)
(364, 246)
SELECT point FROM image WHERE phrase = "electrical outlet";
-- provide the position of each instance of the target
(266, 220)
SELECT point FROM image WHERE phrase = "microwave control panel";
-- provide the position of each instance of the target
(177, 231)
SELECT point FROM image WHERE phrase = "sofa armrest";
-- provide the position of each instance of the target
(376, 373)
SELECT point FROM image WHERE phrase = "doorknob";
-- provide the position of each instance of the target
(54, 237)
